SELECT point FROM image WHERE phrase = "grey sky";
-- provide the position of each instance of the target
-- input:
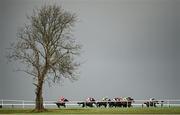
(130, 48)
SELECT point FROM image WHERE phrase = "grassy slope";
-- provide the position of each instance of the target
(174, 110)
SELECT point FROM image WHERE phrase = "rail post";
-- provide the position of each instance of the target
(2, 102)
(23, 104)
(161, 104)
(44, 104)
(127, 104)
(168, 104)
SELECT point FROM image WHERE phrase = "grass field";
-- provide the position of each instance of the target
(172, 110)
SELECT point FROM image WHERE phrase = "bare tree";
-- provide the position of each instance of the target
(46, 47)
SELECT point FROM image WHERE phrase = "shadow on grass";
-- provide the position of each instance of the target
(173, 110)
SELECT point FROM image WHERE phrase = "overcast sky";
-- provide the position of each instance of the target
(130, 48)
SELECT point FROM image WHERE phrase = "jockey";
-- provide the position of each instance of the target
(116, 99)
(61, 99)
(125, 98)
(151, 99)
(104, 98)
(88, 99)
(91, 99)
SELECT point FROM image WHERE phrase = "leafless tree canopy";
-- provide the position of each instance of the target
(46, 46)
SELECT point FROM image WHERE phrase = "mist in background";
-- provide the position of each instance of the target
(130, 48)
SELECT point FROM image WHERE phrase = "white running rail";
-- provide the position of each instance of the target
(25, 103)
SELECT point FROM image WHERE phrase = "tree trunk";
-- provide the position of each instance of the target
(39, 99)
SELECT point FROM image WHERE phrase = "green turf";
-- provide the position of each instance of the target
(173, 110)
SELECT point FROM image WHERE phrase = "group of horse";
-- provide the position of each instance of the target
(91, 102)
(152, 102)
(115, 102)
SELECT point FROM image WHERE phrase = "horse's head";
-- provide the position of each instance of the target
(156, 102)
(92, 99)
(66, 100)
(79, 103)
(118, 99)
(130, 99)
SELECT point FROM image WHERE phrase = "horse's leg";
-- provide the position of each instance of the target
(155, 105)
(98, 105)
(86, 104)
(91, 105)
(58, 105)
(148, 104)
(129, 104)
(105, 105)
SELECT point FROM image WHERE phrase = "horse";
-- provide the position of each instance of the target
(88, 103)
(61, 103)
(151, 103)
(116, 102)
(103, 103)
(121, 102)
(100, 103)
(127, 102)
(111, 103)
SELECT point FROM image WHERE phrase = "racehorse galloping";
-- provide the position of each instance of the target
(100, 103)
(127, 102)
(104, 102)
(111, 103)
(62, 102)
(88, 103)
(116, 102)
(151, 103)
(121, 102)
